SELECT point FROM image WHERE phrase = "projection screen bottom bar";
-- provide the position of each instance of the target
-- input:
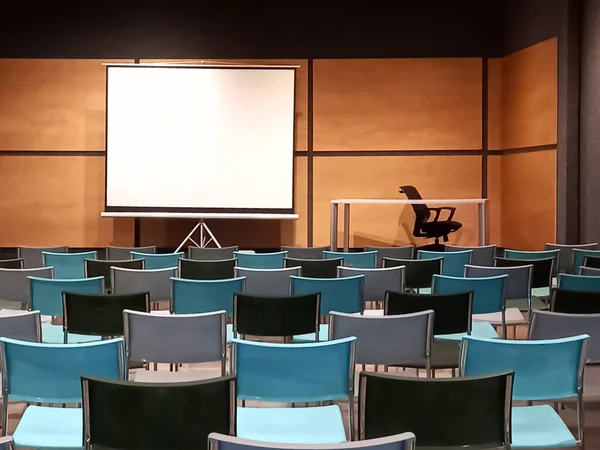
(175, 215)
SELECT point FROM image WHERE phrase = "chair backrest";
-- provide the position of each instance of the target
(68, 266)
(276, 316)
(565, 260)
(589, 271)
(518, 283)
(7, 443)
(185, 413)
(202, 296)
(377, 281)
(404, 252)
(121, 253)
(304, 252)
(488, 293)
(16, 263)
(588, 261)
(359, 260)
(533, 255)
(454, 262)
(159, 260)
(575, 302)
(482, 255)
(579, 257)
(14, 283)
(46, 294)
(316, 371)
(421, 210)
(553, 325)
(452, 311)
(32, 256)
(548, 369)
(315, 268)
(131, 281)
(344, 295)
(585, 283)
(211, 269)
(260, 260)
(176, 338)
(51, 373)
(404, 441)
(386, 340)
(212, 253)
(418, 273)
(100, 315)
(541, 272)
(22, 325)
(274, 282)
(443, 412)
(101, 268)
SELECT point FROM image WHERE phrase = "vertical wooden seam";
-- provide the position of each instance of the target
(309, 155)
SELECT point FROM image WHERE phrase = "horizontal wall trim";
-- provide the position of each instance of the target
(530, 149)
(52, 153)
(346, 153)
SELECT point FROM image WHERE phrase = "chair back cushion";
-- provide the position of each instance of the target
(344, 295)
(202, 296)
(207, 269)
(315, 268)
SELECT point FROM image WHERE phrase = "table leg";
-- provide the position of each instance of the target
(346, 228)
(481, 209)
(333, 227)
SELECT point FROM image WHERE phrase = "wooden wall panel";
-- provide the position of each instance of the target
(52, 104)
(529, 200)
(57, 200)
(379, 177)
(495, 199)
(301, 86)
(379, 104)
(495, 103)
(529, 101)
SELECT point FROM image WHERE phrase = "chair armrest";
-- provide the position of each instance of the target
(439, 209)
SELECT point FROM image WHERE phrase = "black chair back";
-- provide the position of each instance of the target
(16, 263)
(101, 268)
(419, 272)
(575, 302)
(315, 268)
(218, 269)
(127, 415)
(276, 316)
(100, 315)
(591, 261)
(452, 312)
(447, 412)
(541, 275)
(421, 210)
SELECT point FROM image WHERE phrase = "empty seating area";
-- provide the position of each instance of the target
(299, 348)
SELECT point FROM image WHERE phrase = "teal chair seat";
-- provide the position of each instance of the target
(42, 427)
(532, 425)
(319, 425)
(54, 334)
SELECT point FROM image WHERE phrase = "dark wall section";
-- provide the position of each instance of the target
(242, 29)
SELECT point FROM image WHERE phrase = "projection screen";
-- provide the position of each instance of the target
(200, 138)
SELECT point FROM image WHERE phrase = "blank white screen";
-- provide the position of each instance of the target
(183, 137)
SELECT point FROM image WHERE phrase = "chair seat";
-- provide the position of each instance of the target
(53, 334)
(539, 426)
(44, 427)
(162, 376)
(311, 425)
(513, 316)
(440, 228)
(541, 292)
(521, 304)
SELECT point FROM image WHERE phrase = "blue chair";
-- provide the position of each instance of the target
(47, 297)
(545, 370)
(585, 283)
(260, 260)
(579, 256)
(156, 261)
(489, 303)
(49, 373)
(454, 262)
(345, 295)
(358, 260)
(68, 266)
(404, 441)
(290, 373)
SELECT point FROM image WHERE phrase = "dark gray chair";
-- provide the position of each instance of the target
(304, 252)
(32, 256)
(212, 253)
(101, 268)
(404, 252)
(22, 325)
(156, 282)
(267, 282)
(15, 289)
(589, 271)
(16, 263)
(121, 253)
(480, 255)
(565, 258)
(377, 281)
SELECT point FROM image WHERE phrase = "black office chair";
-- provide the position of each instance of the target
(430, 228)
